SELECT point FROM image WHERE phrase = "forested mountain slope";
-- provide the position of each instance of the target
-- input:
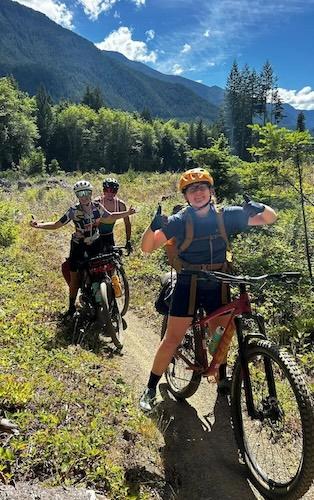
(36, 50)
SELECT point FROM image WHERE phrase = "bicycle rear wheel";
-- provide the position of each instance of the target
(124, 300)
(111, 315)
(277, 445)
(182, 381)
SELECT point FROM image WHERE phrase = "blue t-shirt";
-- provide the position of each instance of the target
(208, 250)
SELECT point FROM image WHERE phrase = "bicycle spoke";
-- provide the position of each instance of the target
(276, 441)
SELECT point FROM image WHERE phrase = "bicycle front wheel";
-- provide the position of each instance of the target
(277, 443)
(182, 380)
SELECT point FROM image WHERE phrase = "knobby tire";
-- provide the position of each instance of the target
(278, 446)
(124, 300)
(111, 316)
(183, 382)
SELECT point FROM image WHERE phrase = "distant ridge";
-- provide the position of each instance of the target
(36, 50)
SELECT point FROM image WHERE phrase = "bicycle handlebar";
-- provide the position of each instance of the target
(246, 280)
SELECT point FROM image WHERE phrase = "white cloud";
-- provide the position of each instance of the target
(199, 81)
(121, 41)
(116, 14)
(186, 48)
(54, 9)
(138, 3)
(93, 8)
(299, 99)
(150, 35)
(177, 69)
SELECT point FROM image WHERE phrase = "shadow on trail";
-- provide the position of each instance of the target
(92, 341)
(200, 457)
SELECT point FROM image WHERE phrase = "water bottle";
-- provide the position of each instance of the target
(116, 285)
(96, 291)
(214, 341)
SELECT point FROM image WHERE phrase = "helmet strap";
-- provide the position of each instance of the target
(203, 206)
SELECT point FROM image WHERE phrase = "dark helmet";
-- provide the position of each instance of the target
(111, 182)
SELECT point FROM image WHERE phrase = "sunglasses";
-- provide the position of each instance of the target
(197, 187)
(83, 193)
(111, 190)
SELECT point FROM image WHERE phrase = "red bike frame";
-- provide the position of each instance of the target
(238, 306)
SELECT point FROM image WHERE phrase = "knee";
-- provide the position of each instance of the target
(171, 340)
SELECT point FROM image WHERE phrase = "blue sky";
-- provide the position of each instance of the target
(199, 39)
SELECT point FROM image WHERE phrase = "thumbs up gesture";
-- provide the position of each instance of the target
(159, 221)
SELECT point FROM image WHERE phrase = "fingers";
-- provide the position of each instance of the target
(132, 210)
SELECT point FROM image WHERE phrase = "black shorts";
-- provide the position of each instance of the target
(77, 251)
(208, 296)
(107, 241)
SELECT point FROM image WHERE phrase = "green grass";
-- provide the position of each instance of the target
(72, 405)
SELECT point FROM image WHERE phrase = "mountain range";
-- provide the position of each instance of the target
(36, 50)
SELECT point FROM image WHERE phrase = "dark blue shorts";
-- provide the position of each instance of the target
(208, 297)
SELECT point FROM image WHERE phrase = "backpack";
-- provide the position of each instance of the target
(176, 262)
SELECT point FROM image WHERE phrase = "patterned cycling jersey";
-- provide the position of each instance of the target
(86, 224)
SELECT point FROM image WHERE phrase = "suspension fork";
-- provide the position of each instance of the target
(245, 367)
(267, 362)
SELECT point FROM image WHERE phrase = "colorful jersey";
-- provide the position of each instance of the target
(86, 225)
(107, 227)
(202, 250)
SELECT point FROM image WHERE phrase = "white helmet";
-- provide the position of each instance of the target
(82, 186)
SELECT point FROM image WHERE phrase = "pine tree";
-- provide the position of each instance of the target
(93, 98)
(44, 117)
(301, 122)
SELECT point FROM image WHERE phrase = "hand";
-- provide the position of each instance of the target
(159, 221)
(128, 247)
(132, 210)
(34, 223)
(251, 207)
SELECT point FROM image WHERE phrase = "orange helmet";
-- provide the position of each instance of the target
(195, 175)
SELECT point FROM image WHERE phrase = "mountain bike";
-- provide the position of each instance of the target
(271, 407)
(103, 296)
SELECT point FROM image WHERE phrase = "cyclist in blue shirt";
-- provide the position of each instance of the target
(207, 249)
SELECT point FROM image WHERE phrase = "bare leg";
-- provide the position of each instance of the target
(175, 332)
(74, 284)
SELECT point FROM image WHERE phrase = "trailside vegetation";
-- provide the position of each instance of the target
(89, 137)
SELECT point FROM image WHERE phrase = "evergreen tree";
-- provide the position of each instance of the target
(191, 139)
(301, 122)
(93, 98)
(146, 115)
(44, 118)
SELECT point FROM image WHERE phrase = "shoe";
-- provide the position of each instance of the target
(8, 427)
(68, 315)
(224, 386)
(148, 399)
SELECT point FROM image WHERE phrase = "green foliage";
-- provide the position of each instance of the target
(221, 165)
(8, 227)
(34, 163)
(17, 124)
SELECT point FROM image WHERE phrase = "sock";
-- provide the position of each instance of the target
(72, 303)
(223, 371)
(153, 380)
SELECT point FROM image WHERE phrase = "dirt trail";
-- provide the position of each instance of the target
(199, 454)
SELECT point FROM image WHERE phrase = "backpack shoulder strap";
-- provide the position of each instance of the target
(222, 228)
(189, 230)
